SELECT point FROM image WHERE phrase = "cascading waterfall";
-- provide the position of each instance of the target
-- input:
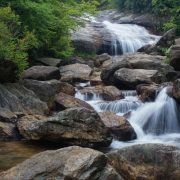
(128, 38)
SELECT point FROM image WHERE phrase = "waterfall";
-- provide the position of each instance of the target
(157, 118)
(128, 38)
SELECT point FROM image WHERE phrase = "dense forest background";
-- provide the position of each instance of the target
(32, 28)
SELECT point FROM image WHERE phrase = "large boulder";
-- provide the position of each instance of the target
(130, 78)
(108, 93)
(8, 71)
(50, 61)
(176, 90)
(64, 101)
(119, 126)
(147, 161)
(18, 99)
(42, 73)
(67, 163)
(175, 57)
(75, 126)
(100, 59)
(75, 72)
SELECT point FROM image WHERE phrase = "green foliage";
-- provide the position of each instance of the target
(14, 43)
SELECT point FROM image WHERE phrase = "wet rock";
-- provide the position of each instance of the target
(50, 61)
(108, 93)
(119, 126)
(107, 74)
(147, 161)
(67, 163)
(42, 73)
(167, 39)
(64, 101)
(95, 78)
(16, 98)
(175, 57)
(7, 116)
(75, 72)
(130, 78)
(75, 126)
(8, 71)
(176, 89)
(147, 92)
(8, 131)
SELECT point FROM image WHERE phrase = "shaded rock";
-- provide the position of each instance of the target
(119, 126)
(8, 71)
(16, 98)
(108, 93)
(8, 131)
(42, 73)
(51, 61)
(100, 59)
(64, 101)
(167, 39)
(176, 89)
(147, 92)
(130, 78)
(147, 161)
(75, 72)
(107, 73)
(66, 163)
(175, 57)
(45, 90)
(7, 116)
(75, 126)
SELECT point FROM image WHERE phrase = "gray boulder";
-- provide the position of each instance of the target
(176, 89)
(75, 126)
(50, 61)
(67, 163)
(42, 73)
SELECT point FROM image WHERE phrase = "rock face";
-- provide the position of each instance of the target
(75, 126)
(119, 126)
(42, 73)
(130, 78)
(8, 71)
(7, 116)
(75, 72)
(64, 101)
(175, 57)
(67, 163)
(147, 92)
(50, 61)
(16, 98)
(176, 90)
(147, 161)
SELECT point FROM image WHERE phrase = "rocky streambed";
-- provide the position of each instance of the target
(102, 117)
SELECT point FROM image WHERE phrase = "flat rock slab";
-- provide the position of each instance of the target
(74, 126)
(51, 61)
(75, 72)
(42, 73)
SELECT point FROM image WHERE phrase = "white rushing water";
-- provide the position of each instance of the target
(153, 122)
(128, 38)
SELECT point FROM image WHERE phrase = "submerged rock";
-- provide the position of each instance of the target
(42, 73)
(64, 101)
(67, 163)
(147, 161)
(75, 126)
(119, 126)
(75, 72)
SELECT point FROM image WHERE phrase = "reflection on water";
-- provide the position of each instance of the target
(13, 153)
